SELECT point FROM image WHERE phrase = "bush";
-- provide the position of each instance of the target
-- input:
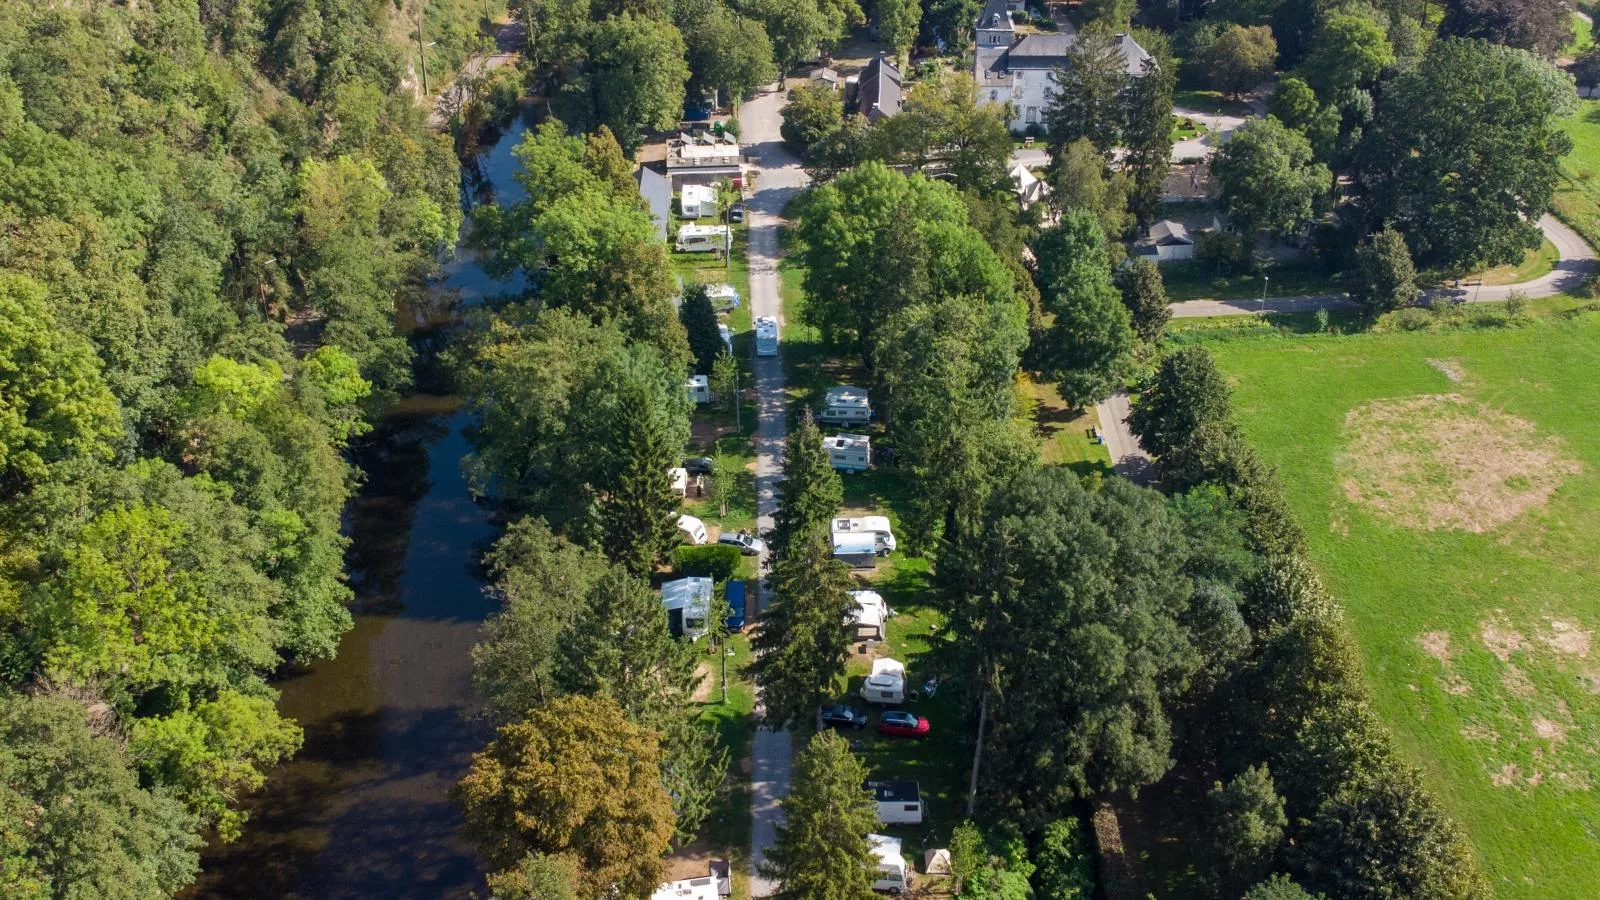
(715, 561)
(1516, 304)
(1411, 319)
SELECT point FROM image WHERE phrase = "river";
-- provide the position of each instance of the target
(364, 810)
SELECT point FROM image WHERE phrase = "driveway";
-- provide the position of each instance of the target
(1218, 128)
(778, 178)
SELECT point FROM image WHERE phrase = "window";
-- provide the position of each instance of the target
(994, 95)
(1033, 115)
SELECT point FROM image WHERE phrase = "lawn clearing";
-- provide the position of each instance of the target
(1449, 485)
(1066, 436)
(1577, 199)
(1194, 279)
(1535, 264)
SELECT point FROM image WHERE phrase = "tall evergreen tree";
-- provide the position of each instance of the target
(801, 646)
(822, 851)
(1086, 101)
(1147, 134)
(699, 320)
(1087, 349)
(1145, 296)
(810, 492)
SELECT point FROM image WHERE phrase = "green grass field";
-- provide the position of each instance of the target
(1577, 199)
(1449, 484)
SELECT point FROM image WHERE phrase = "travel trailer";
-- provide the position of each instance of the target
(702, 888)
(766, 336)
(887, 683)
(703, 239)
(894, 873)
(899, 802)
(865, 620)
(688, 603)
(724, 297)
(877, 526)
(849, 452)
(680, 480)
(859, 551)
(692, 530)
(696, 200)
(698, 387)
(845, 405)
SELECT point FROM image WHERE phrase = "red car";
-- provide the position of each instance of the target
(902, 724)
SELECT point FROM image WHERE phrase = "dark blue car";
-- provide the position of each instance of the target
(735, 594)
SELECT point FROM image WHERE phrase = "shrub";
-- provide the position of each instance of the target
(715, 561)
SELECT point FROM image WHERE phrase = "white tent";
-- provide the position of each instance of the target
(869, 614)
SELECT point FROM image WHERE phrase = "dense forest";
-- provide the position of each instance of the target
(210, 211)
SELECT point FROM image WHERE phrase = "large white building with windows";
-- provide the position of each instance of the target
(1015, 68)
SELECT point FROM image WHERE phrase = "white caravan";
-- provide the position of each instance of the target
(845, 405)
(688, 603)
(698, 387)
(894, 873)
(766, 336)
(899, 802)
(887, 683)
(877, 526)
(866, 618)
(691, 530)
(696, 200)
(703, 239)
(849, 452)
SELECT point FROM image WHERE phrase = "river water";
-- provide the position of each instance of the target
(364, 810)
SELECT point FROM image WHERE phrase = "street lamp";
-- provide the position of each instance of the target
(1265, 280)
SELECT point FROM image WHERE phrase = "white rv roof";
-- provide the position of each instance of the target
(847, 442)
(699, 193)
(702, 230)
(845, 395)
(884, 847)
(698, 381)
(888, 667)
(845, 542)
(862, 523)
(721, 290)
(702, 888)
(692, 594)
(869, 609)
(679, 476)
(688, 522)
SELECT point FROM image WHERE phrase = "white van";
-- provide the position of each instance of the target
(877, 526)
(845, 405)
(849, 452)
(894, 873)
(692, 530)
(766, 336)
(887, 683)
(703, 239)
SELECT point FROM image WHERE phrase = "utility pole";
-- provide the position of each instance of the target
(422, 48)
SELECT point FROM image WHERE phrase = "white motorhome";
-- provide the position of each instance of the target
(688, 603)
(887, 683)
(866, 618)
(877, 526)
(899, 802)
(696, 200)
(680, 480)
(702, 888)
(766, 336)
(703, 239)
(845, 405)
(849, 452)
(691, 530)
(860, 551)
(698, 387)
(894, 873)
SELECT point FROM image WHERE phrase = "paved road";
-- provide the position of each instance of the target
(1577, 263)
(778, 178)
(1219, 127)
(509, 38)
(1128, 459)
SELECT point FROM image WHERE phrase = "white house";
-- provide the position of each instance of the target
(688, 603)
(1168, 240)
(845, 405)
(698, 387)
(848, 452)
(866, 619)
(894, 873)
(1016, 70)
(696, 200)
(886, 684)
(876, 526)
(704, 239)
(899, 802)
(702, 888)
(691, 530)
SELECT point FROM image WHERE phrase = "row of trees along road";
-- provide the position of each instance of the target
(210, 219)
(600, 762)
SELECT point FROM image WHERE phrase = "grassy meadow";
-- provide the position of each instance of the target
(1449, 484)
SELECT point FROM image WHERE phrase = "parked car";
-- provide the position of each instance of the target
(736, 212)
(898, 723)
(748, 544)
(837, 715)
(735, 595)
(699, 465)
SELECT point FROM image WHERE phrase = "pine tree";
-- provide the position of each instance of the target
(822, 851)
(700, 323)
(1145, 296)
(810, 492)
(801, 646)
(637, 504)
(626, 652)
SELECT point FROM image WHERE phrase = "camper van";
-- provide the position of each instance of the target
(865, 619)
(859, 551)
(697, 200)
(887, 683)
(845, 405)
(703, 239)
(698, 387)
(766, 336)
(688, 603)
(680, 480)
(849, 452)
(899, 802)
(877, 526)
(894, 873)
(692, 530)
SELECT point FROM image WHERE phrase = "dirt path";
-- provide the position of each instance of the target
(1128, 459)
(509, 38)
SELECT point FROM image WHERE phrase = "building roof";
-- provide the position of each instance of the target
(824, 74)
(879, 92)
(846, 395)
(895, 791)
(702, 230)
(1048, 51)
(1167, 233)
(698, 193)
(657, 194)
(996, 16)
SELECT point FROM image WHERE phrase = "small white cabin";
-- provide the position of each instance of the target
(877, 526)
(894, 873)
(698, 387)
(866, 619)
(766, 336)
(688, 603)
(680, 480)
(887, 683)
(691, 530)
(845, 405)
(849, 452)
(703, 239)
(899, 802)
(697, 200)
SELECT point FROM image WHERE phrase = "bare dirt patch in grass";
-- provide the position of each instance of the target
(1507, 775)
(1567, 638)
(1436, 644)
(1449, 368)
(1548, 730)
(1441, 461)
(1501, 639)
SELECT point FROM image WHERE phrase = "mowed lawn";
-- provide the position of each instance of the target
(1449, 485)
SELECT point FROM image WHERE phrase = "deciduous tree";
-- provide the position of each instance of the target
(1241, 57)
(813, 112)
(1384, 277)
(1542, 26)
(1349, 51)
(1087, 349)
(631, 78)
(1186, 393)
(1267, 179)
(1247, 821)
